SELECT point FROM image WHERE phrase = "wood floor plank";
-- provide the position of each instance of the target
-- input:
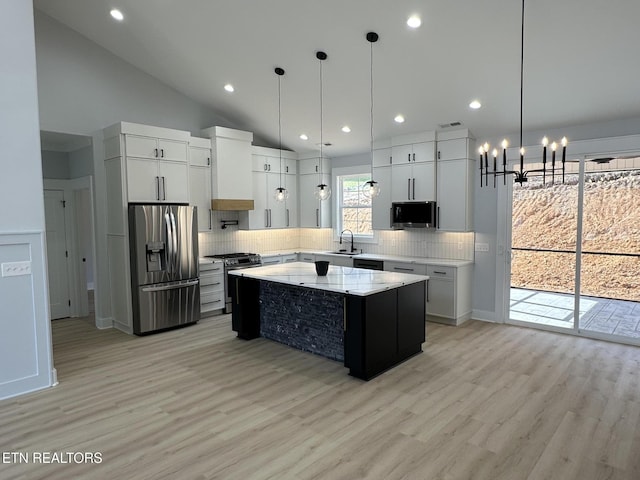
(482, 402)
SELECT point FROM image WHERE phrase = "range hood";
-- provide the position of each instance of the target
(231, 204)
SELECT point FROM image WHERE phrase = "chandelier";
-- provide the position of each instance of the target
(521, 176)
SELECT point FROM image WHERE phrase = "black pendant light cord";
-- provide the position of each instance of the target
(371, 103)
(321, 117)
(521, 85)
(280, 72)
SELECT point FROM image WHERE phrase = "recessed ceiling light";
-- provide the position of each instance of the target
(475, 105)
(303, 136)
(399, 119)
(229, 88)
(414, 21)
(346, 129)
(117, 14)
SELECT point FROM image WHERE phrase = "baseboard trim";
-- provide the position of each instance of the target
(104, 323)
(484, 316)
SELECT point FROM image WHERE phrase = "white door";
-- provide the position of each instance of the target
(59, 297)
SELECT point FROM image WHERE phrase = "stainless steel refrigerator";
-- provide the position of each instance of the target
(163, 244)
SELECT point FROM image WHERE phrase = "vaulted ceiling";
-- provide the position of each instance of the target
(580, 61)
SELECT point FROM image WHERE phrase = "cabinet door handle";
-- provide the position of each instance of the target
(266, 217)
(264, 167)
(414, 188)
(286, 169)
(408, 189)
(210, 225)
(162, 152)
(317, 217)
(390, 216)
(287, 217)
(402, 269)
(408, 157)
(208, 161)
(155, 152)
(164, 190)
(438, 217)
(438, 154)
(270, 224)
(414, 157)
(441, 273)
(427, 290)
(390, 159)
(157, 188)
(237, 291)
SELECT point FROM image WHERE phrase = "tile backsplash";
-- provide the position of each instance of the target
(411, 242)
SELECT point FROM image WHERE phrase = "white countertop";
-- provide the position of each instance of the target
(443, 262)
(354, 281)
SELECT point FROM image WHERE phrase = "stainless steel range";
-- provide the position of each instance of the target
(234, 261)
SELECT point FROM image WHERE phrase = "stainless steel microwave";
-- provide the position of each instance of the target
(413, 214)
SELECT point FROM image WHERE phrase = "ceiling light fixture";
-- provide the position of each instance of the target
(371, 189)
(475, 105)
(281, 193)
(303, 136)
(322, 191)
(117, 14)
(229, 88)
(346, 129)
(399, 118)
(521, 176)
(414, 21)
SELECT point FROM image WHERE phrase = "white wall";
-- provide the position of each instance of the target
(55, 164)
(83, 88)
(81, 162)
(25, 332)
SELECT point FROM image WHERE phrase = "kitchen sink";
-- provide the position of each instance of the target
(344, 252)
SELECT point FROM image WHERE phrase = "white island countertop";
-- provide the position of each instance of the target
(354, 281)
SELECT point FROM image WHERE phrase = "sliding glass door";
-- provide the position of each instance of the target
(575, 250)
(543, 251)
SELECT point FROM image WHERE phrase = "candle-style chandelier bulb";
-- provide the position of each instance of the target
(486, 147)
(564, 141)
(545, 141)
(522, 151)
(554, 146)
(505, 144)
(481, 150)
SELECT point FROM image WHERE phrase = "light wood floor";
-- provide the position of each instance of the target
(483, 401)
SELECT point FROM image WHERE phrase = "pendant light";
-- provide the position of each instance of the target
(281, 193)
(371, 189)
(322, 191)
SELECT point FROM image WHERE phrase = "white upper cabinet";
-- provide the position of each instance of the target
(200, 159)
(154, 162)
(313, 213)
(269, 173)
(456, 173)
(232, 162)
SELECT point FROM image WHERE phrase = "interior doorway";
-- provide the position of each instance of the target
(67, 165)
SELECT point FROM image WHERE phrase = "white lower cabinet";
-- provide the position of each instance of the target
(448, 290)
(211, 287)
(449, 294)
(306, 257)
(279, 258)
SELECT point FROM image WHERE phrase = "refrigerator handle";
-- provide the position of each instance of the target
(170, 246)
(171, 286)
(174, 251)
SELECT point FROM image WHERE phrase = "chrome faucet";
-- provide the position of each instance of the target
(347, 230)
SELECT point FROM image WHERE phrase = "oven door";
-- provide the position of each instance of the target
(227, 296)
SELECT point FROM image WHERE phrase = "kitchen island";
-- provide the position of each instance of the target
(369, 320)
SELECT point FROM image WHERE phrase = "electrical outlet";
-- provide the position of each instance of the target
(14, 269)
(482, 247)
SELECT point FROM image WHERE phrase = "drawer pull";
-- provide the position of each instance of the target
(439, 272)
(404, 269)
